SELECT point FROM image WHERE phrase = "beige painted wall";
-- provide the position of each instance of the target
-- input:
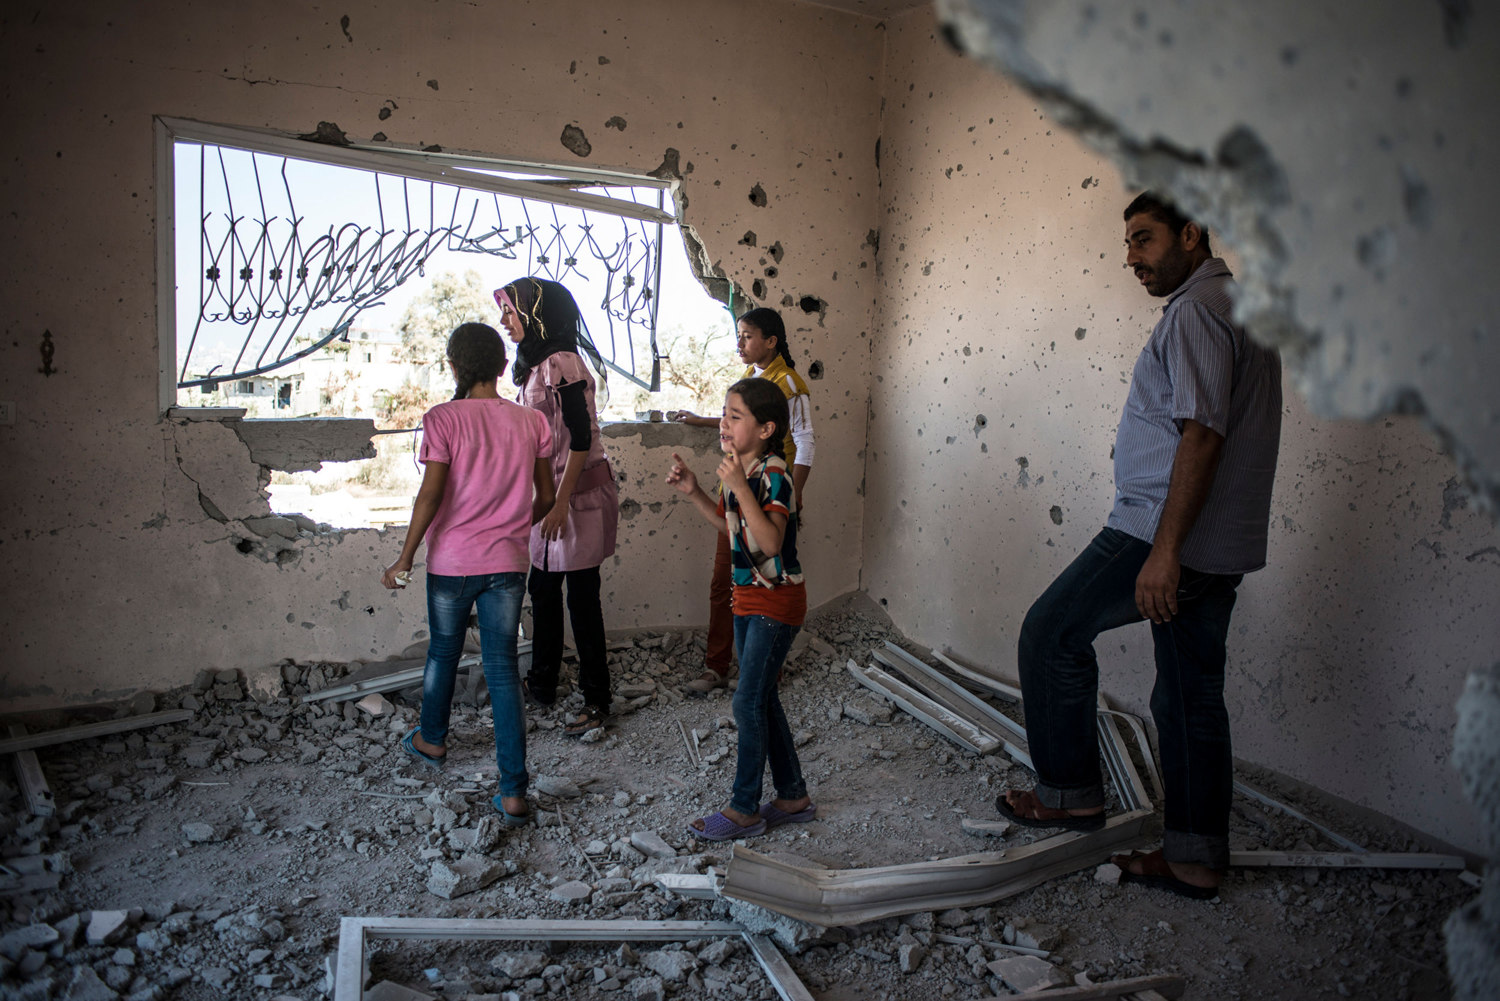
(999, 243)
(1003, 294)
(117, 579)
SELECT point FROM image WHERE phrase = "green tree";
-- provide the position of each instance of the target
(699, 366)
(449, 300)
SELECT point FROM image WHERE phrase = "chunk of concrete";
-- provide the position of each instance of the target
(1108, 873)
(106, 927)
(557, 786)
(14, 944)
(911, 956)
(867, 710)
(197, 832)
(85, 985)
(375, 705)
(519, 965)
(651, 845)
(306, 443)
(575, 891)
(789, 933)
(985, 828)
(388, 991)
(1038, 935)
(647, 989)
(672, 965)
(1027, 974)
(719, 951)
(468, 874)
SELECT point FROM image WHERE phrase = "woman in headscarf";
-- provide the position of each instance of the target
(578, 533)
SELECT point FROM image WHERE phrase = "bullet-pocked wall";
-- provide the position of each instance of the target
(1006, 333)
(122, 531)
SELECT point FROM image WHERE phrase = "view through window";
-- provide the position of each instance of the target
(309, 288)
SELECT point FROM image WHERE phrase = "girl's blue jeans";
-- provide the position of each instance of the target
(497, 597)
(1060, 685)
(761, 644)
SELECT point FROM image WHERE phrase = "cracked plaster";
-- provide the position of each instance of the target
(173, 567)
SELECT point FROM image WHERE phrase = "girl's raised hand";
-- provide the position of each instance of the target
(731, 473)
(680, 476)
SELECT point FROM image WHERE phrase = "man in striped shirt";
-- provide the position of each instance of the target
(1195, 456)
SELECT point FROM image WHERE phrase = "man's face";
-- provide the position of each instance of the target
(1156, 254)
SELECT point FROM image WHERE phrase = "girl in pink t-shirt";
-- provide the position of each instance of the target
(488, 479)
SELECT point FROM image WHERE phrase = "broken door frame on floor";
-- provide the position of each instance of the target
(355, 934)
(843, 897)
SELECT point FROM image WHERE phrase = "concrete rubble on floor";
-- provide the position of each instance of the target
(344, 756)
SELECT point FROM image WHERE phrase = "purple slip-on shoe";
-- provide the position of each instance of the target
(775, 817)
(717, 827)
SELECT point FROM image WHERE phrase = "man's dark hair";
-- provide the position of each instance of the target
(1163, 211)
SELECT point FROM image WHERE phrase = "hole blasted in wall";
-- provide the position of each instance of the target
(1237, 192)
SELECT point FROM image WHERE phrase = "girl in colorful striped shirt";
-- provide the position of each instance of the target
(756, 509)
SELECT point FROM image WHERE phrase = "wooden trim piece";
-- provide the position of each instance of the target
(1148, 755)
(964, 698)
(87, 730)
(536, 930)
(788, 985)
(1333, 836)
(698, 887)
(960, 731)
(355, 934)
(384, 683)
(33, 782)
(392, 681)
(1000, 688)
(350, 968)
(1128, 784)
(832, 897)
(1349, 860)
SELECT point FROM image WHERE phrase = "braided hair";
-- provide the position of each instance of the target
(770, 324)
(477, 354)
(767, 404)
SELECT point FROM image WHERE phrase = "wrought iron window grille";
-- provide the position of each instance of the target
(264, 272)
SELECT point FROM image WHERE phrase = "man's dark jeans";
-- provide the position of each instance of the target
(1060, 682)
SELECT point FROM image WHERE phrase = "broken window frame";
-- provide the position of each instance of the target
(398, 160)
(355, 934)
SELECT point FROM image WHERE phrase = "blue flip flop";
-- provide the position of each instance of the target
(431, 761)
(776, 817)
(717, 827)
(510, 819)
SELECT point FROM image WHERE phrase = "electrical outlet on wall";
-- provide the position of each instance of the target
(7, 412)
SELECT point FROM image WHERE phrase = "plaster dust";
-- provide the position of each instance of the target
(231, 846)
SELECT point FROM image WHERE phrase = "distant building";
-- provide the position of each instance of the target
(348, 378)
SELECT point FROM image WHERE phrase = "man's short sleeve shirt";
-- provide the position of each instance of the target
(1199, 366)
